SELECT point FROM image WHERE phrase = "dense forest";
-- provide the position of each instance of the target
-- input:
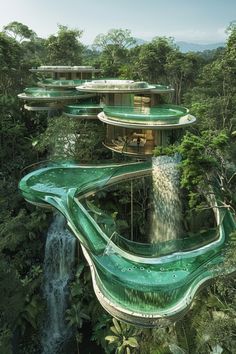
(205, 82)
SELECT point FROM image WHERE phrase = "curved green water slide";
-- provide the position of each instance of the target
(134, 282)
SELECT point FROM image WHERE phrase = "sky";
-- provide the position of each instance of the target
(195, 21)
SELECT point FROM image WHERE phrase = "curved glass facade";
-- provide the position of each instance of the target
(85, 110)
(130, 280)
(149, 270)
(161, 114)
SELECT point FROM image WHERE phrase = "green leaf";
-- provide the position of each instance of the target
(111, 339)
(120, 350)
(114, 330)
(117, 325)
(34, 142)
(175, 349)
(93, 208)
(217, 350)
(85, 316)
(132, 342)
(123, 326)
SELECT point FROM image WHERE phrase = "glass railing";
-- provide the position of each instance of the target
(161, 114)
(83, 110)
(116, 85)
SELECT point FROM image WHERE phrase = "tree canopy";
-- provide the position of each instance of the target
(205, 83)
(65, 47)
(19, 31)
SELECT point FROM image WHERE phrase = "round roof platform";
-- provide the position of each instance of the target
(50, 83)
(158, 117)
(115, 86)
(88, 110)
(41, 94)
(65, 69)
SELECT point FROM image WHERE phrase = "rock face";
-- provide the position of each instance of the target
(166, 216)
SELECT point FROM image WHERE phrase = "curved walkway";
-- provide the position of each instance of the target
(138, 288)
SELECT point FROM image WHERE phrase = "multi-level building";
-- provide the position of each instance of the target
(141, 283)
(56, 88)
(136, 119)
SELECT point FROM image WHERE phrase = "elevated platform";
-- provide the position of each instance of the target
(65, 69)
(115, 86)
(50, 83)
(134, 285)
(83, 111)
(137, 131)
(159, 117)
(43, 94)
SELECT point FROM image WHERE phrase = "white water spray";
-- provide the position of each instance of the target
(166, 217)
(58, 266)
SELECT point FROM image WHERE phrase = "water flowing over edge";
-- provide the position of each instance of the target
(58, 266)
(166, 217)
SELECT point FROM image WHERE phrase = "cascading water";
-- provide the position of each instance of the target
(58, 266)
(166, 216)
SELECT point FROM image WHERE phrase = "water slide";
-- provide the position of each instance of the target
(141, 284)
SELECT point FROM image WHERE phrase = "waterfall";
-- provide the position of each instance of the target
(166, 216)
(58, 266)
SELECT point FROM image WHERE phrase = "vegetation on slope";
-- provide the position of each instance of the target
(204, 83)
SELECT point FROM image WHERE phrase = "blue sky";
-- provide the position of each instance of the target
(199, 21)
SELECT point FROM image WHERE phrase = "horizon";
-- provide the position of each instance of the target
(186, 21)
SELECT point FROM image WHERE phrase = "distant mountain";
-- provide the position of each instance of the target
(188, 47)
(183, 46)
(140, 41)
(195, 47)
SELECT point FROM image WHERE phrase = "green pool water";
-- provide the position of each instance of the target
(132, 283)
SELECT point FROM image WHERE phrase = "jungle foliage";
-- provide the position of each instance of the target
(204, 82)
